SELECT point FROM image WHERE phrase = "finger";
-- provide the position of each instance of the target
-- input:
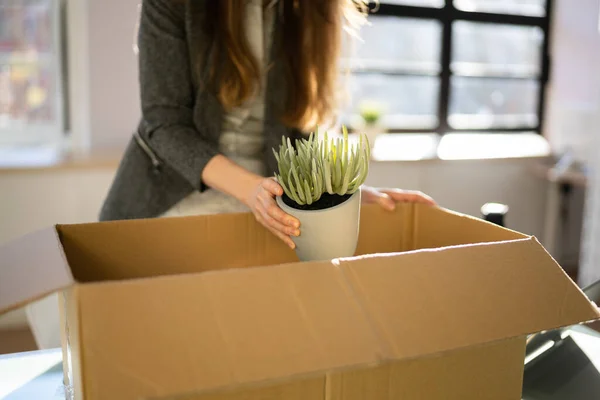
(371, 195)
(425, 199)
(408, 196)
(274, 223)
(274, 211)
(286, 239)
(282, 236)
(386, 201)
(272, 187)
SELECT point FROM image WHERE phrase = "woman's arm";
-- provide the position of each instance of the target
(167, 97)
(256, 192)
(224, 175)
(167, 94)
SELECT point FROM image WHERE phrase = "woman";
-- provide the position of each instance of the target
(221, 83)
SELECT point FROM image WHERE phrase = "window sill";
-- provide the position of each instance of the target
(388, 148)
(53, 159)
(456, 147)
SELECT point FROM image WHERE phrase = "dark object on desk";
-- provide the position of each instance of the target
(494, 212)
(557, 368)
(563, 373)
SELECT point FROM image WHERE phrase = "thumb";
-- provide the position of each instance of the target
(386, 201)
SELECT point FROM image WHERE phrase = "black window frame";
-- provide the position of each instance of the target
(446, 15)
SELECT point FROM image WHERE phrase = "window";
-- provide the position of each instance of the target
(452, 65)
(31, 92)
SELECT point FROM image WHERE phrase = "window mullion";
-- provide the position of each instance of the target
(445, 74)
(545, 72)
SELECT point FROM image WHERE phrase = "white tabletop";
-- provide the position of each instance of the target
(33, 375)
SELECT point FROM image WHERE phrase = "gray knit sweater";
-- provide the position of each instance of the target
(181, 123)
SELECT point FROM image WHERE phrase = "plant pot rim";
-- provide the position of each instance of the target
(284, 206)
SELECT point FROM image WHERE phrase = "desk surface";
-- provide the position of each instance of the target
(32, 375)
(38, 374)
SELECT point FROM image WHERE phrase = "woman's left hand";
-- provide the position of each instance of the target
(388, 198)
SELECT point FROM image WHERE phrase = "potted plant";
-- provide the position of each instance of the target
(321, 180)
(370, 114)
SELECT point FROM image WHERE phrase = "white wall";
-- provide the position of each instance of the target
(104, 85)
(573, 116)
(574, 90)
(33, 200)
(465, 186)
(590, 268)
(37, 199)
(113, 66)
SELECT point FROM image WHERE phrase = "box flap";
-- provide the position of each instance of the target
(32, 267)
(418, 226)
(267, 324)
(437, 227)
(430, 301)
(221, 328)
(131, 249)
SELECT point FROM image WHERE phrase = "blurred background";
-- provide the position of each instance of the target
(470, 101)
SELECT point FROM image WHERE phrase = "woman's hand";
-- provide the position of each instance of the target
(388, 198)
(256, 192)
(266, 211)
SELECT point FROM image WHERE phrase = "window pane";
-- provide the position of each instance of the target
(493, 49)
(406, 102)
(29, 72)
(477, 103)
(398, 44)
(535, 8)
(422, 3)
(26, 94)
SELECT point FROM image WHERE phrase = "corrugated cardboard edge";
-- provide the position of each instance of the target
(70, 319)
(420, 209)
(410, 231)
(593, 305)
(31, 268)
(328, 374)
(479, 220)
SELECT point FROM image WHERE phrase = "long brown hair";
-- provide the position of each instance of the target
(310, 48)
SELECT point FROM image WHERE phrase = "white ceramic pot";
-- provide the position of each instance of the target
(329, 233)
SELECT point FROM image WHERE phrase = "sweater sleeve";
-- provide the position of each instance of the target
(167, 94)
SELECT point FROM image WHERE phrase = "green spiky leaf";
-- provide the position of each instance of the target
(315, 165)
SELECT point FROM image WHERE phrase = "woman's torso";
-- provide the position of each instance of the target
(145, 187)
(242, 138)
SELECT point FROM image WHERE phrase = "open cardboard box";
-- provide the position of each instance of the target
(440, 308)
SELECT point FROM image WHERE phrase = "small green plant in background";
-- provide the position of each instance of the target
(370, 113)
(316, 166)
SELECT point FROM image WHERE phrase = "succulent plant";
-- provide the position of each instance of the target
(318, 166)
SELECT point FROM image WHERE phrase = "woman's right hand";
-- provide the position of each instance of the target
(266, 211)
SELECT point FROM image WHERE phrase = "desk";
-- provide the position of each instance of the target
(32, 375)
(38, 375)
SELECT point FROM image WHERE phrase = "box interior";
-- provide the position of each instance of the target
(145, 248)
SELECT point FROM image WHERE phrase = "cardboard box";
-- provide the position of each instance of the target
(438, 307)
